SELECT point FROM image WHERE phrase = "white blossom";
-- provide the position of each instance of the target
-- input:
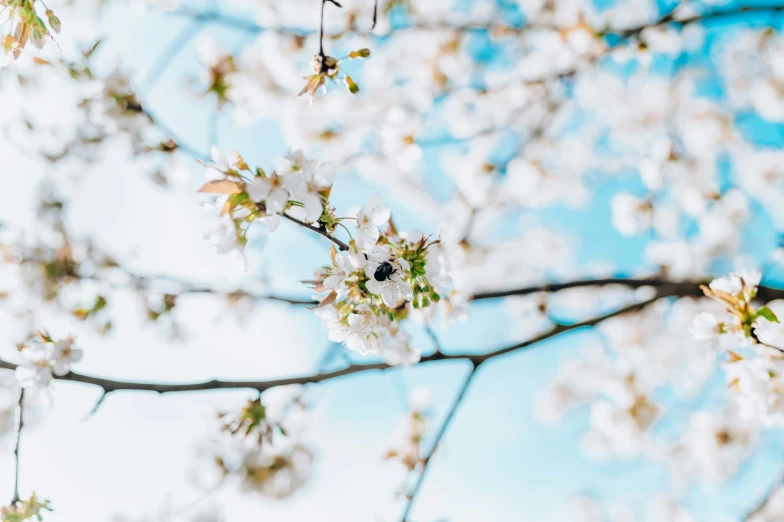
(370, 217)
(385, 276)
(705, 327)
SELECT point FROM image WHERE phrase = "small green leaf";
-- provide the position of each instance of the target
(768, 314)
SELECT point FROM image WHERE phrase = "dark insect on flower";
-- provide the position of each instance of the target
(383, 271)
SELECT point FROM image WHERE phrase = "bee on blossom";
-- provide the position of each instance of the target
(369, 287)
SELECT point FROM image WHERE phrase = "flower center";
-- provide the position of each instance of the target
(383, 271)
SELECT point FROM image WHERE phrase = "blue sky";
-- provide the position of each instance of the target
(497, 463)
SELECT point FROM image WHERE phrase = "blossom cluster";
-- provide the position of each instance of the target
(302, 185)
(370, 286)
(409, 451)
(753, 339)
(43, 358)
(25, 25)
(328, 68)
(28, 510)
(371, 280)
(262, 452)
(620, 380)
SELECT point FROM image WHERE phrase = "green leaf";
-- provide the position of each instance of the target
(768, 314)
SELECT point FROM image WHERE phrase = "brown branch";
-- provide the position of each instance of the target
(247, 25)
(19, 426)
(110, 385)
(681, 287)
(341, 245)
(411, 496)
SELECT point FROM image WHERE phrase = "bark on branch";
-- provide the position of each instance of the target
(110, 385)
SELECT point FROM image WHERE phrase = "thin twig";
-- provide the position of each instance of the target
(19, 426)
(411, 496)
(321, 27)
(247, 25)
(681, 286)
(343, 246)
(96, 406)
(110, 385)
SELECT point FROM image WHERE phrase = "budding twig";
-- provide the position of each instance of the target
(411, 496)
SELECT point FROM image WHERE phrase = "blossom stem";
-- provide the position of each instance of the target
(19, 426)
(321, 29)
(341, 245)
(411, 496)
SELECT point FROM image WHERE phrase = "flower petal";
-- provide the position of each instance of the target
(258, 189)
(378, 254)
(390, 293)
(404, 287)
(313, 208)
(367, 236)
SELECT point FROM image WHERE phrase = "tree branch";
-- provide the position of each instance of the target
(681, 287)
(411, 496)
(246, 25)
(110, 385)
(341, 245)
(19, 426)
